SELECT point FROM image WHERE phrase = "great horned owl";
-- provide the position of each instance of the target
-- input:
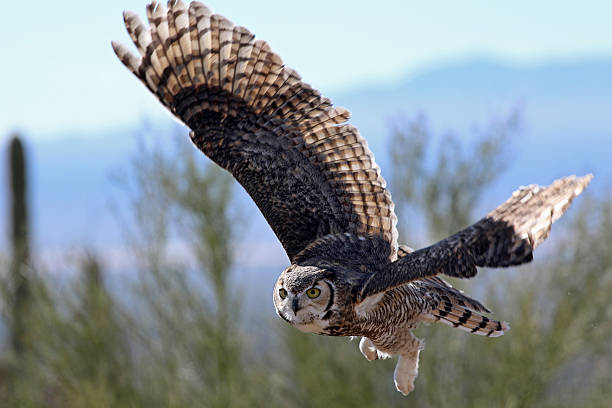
(314, 179)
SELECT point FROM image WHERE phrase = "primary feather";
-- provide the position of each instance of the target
(309, 172)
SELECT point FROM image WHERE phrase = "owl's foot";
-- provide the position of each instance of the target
(368, 349)
(406, 371)
(407, 367)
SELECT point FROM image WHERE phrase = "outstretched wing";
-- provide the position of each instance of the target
(309, 172)
(437, 288)
(506, 236)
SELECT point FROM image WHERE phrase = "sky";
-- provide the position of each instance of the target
(60, 74)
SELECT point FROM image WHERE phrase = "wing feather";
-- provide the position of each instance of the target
(506, 236)
(310, 173)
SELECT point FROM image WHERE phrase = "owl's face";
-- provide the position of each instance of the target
(304, 297)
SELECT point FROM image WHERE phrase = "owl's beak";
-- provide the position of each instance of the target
(294, 305)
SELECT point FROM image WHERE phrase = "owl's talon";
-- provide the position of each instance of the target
(405, 373)
(368, 349)
(407, 367)
(404, 387)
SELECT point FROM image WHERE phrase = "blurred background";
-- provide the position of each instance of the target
(135, 273)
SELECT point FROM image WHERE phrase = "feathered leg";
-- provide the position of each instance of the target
(407, 367)
(368, 349)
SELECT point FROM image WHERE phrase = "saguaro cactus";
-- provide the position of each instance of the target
(20, 242)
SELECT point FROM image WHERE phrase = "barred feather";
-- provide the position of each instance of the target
(451, 307)
(249, 112)
(464, 318)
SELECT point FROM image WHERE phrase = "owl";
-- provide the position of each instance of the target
(315, 181)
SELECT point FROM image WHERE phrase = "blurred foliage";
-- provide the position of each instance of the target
(190, 339)
(173, 334)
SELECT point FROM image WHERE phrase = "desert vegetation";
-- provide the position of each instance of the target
(174, 335)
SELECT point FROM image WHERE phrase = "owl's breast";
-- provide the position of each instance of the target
(399, 307)
(342, 323)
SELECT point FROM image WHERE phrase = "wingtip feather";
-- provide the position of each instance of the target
(126, 57)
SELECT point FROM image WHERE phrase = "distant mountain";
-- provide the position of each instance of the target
(567, 109)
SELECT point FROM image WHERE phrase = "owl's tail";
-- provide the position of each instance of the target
(453, 308)
(463, 318)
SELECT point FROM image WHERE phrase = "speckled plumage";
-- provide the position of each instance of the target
(316, 182)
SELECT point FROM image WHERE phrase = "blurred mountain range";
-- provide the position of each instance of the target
(566, 112)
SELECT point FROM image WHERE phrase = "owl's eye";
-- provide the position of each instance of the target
(282, 293)
(313, 293)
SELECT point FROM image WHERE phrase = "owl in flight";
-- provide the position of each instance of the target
(315, 180)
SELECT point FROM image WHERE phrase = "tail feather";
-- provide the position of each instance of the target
(453, 308)
(465, 319)
(457, 310)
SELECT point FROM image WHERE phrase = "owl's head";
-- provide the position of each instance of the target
(304, 297)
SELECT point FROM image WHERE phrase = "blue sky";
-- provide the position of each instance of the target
(60, 75)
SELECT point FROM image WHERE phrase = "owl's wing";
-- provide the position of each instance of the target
(506, 236)
(309, 172)
(434, 285)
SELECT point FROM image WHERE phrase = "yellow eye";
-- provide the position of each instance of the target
(313, 293)
(282, 293)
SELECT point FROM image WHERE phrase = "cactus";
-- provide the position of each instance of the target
(20, 243)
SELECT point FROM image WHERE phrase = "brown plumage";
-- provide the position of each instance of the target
(315, 180)
(309, 172)
(506, 236)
